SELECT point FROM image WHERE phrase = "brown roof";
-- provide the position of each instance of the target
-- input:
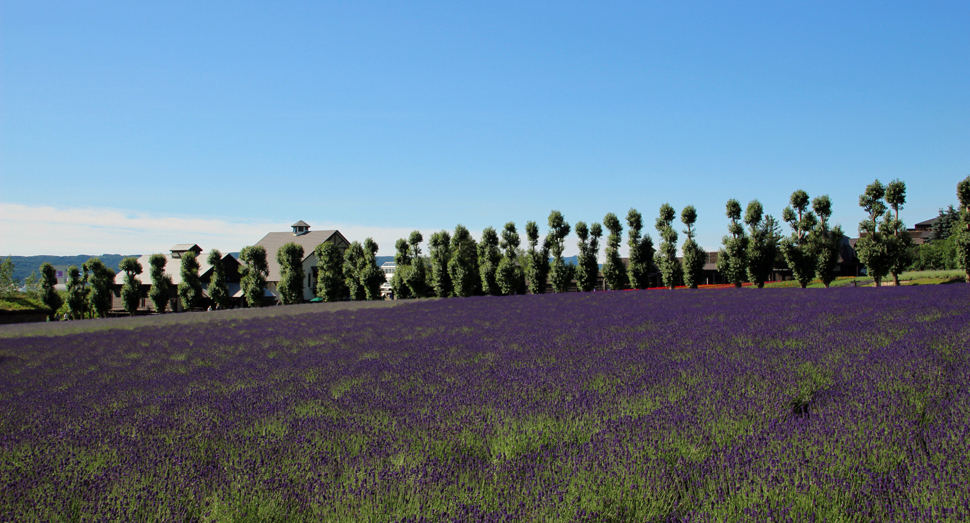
(173, 268)
(308, 240)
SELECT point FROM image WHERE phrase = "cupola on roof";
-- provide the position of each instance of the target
(300, 227)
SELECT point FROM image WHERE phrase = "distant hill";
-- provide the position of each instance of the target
(24, 265)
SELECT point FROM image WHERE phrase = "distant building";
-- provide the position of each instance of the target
(309, 240)
(387, 292)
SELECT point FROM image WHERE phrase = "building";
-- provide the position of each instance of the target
(173, 269)
(387, 292)
(309, 240)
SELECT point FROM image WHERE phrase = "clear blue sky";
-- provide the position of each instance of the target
(381, 117)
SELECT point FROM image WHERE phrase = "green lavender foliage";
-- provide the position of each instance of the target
(161, 282)
(732, 260)
(694, 255)
(218, 285)
(330, 272)
(587, 270)
(440, 252)
(77, 305)
(614, 273)
(463, 265)
(489, 258)
(509, 276)
(254, 273)
(873, 247)
(763, 238)
(99, 280)
(537, 271)
(560, 274)
(826, 242)
(131, 288)
(290, 258)
(797, 248)
(48, 294)
(670, 269)
(641, 251)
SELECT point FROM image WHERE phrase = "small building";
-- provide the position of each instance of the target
(309, 240)
(387, 291)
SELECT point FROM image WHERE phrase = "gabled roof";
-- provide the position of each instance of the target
(183, 247)
(308, 240)
(173, 268)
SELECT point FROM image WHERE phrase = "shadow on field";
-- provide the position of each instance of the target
(58, 328)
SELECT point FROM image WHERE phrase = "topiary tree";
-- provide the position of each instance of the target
(900, 243)
(290, 258)
(218, 286)
(402, 262)
(161, 282)
(826, 242)
(509, 276)
(415, 275)
(641, 251)
(537, 271)
(463, 265)
(330, 272)
(763, 238)
(76, 302)
(99, 279)
(962, 229)
(694, 255)
(190, 288)
(372, 277)
(670, 269)
(254, 274)
(131, 288)
(48, 294)
(440, 251)
(354, 264)
(560, 274)
(587, 270)
(732, 260)
(873, 248)
(614, 274)
(489, 258)
(797, 248)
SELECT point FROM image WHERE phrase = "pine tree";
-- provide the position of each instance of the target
(537, 272)
(614, 273)
(694, 255)
(732, 260)
(254, 274)
(330, 272)
(131, 288)
(670, 269)
(48, 293)
(560, 274)
(190, 289)
(161, 282)
(290, 259)
(489, 258)
(509, 276)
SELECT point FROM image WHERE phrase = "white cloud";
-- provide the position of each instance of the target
(33, 230)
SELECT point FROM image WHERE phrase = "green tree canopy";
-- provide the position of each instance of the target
(826, 242)
(963, 227)
(489, 258)
(694, 255)
(537, 270)
(371, 276)
(48, 294)
(99, 280)
(8, 285)
(290, 259)
(559, 273)
(190, 289)
(732, 260)
(614, 273)
(763, 238)
(354, 265)
(797, 248)
(161, 282)
(415, 275)
(131, 288)
(330, 272)
(900, 243)
(463, 265)
(670, 269)
(254, 273)
(218, 284)
(641, 251)
(587, 270)
(873, 247)
(509, 276)
(402, 262)
(77, 305)
(440, 251)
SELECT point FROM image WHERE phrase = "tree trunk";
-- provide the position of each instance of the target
(878, 282)
(737, 285)
(895, 279)
(826, 285)
(671, 287)
(761, 285)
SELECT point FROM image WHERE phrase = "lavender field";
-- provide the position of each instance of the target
(729, 405)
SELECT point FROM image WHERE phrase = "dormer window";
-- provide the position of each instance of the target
(301, 227)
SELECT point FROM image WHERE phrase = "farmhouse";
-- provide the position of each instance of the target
(173, 268)
(304, 237)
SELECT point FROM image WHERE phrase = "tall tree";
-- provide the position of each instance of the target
(415, 276)
(290, 259)
(8, 285)
(99, 281)
(694, 255)
(670, 269)
(587, 270)
(537, 272)
(190, 289)
(641, 251)
(48, 294)
(330, 272)
(76, 302)
(161, 282)
(763, 238)
(797, 248)
(440, 251)
(826, 242)
(962, 229)
(218, 284)
(732, 260)
(873, 248)
(254, 274)
(560, 273)
(614, 274)
(900, 244)
(372, 277)
(463, 265)
(354, 263)
(509, 276)
(489, 258)
(402, 263)
(131, 289)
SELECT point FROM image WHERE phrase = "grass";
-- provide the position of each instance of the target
(21, 302)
